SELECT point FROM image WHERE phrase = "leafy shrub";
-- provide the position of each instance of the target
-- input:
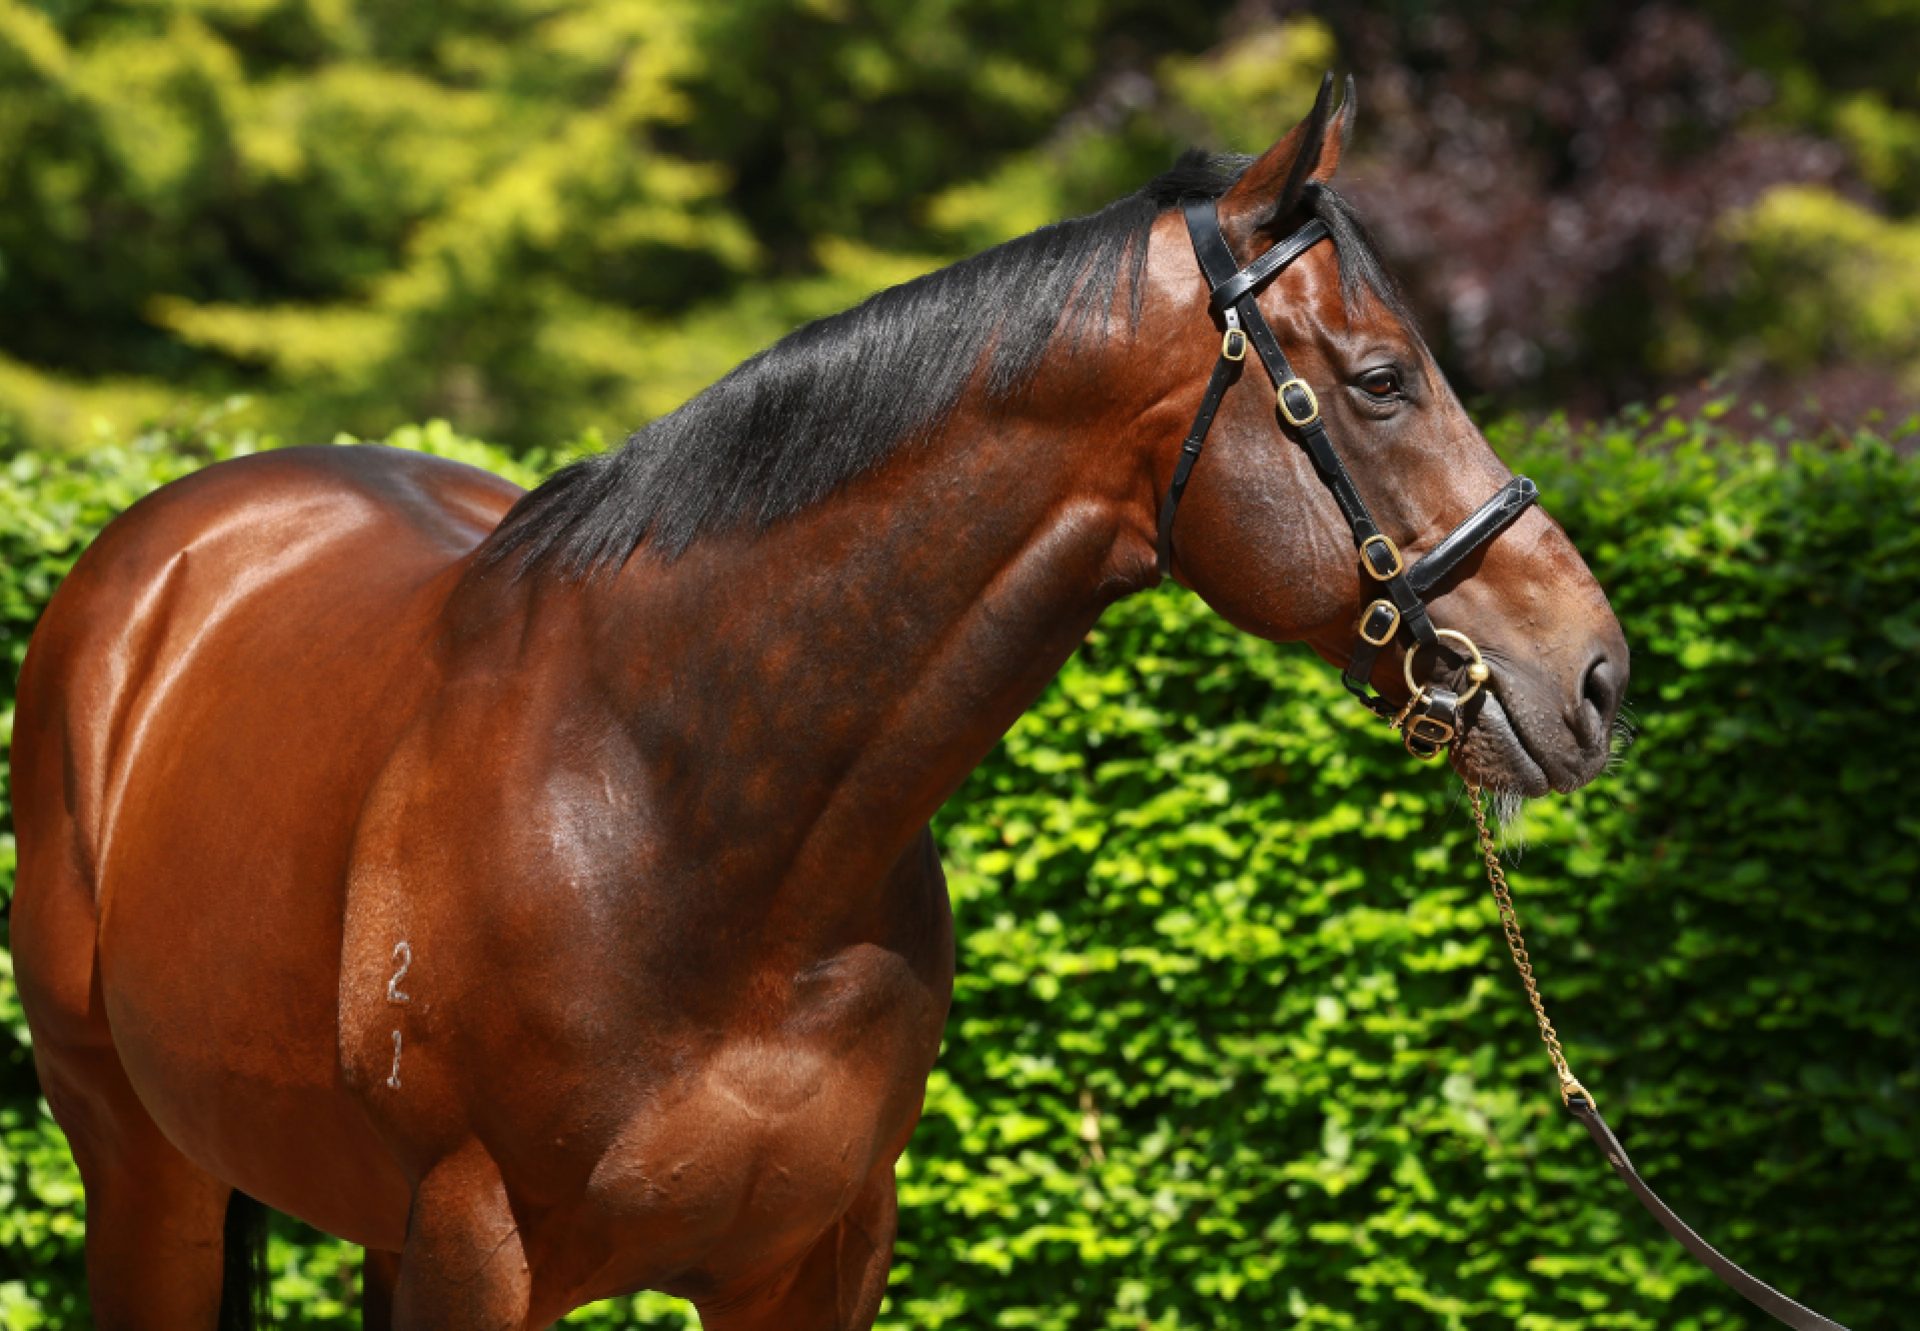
(1234, 1043)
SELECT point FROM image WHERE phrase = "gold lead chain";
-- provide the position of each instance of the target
(1517, 945)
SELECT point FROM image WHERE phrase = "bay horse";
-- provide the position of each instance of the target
(538, 889)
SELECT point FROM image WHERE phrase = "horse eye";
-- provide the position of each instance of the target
(1381, 383)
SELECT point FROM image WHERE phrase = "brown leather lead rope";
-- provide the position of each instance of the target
(1583, 1107)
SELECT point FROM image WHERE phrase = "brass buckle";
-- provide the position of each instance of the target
(1386, 634)
(1392, 549)
(1427, 730)
(1234, 345)
(1406, 721)
(1476, 670)
(1313, 403)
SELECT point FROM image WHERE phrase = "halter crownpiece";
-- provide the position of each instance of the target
(1431, 718)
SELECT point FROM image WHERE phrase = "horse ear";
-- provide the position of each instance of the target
(1334, 146)
(1270, 189)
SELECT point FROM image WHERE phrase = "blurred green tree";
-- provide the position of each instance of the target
(538, 218)
(530, 217)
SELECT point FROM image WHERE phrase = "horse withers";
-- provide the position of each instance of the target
(538, 890)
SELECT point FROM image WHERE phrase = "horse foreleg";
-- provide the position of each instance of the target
(463, 1264)
(838, 1285)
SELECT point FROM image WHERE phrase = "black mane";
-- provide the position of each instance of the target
(792, 424)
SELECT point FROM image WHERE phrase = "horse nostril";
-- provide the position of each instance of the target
(1600, 690)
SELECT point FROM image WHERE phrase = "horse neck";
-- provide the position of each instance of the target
(820, 687)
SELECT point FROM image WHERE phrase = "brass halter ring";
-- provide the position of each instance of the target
(1477, 670)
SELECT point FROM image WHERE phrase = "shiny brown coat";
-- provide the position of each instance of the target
(558, 938)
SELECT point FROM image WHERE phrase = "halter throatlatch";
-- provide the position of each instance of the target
(1431, 717)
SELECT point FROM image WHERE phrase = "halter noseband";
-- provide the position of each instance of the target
(1431, 717)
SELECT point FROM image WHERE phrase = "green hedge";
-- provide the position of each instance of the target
(1234, 1043)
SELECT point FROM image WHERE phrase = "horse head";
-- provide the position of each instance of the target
(1309, 513)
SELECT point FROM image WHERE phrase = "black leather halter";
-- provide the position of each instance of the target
(1431, 717)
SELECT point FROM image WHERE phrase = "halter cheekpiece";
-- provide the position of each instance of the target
(1431, 717)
